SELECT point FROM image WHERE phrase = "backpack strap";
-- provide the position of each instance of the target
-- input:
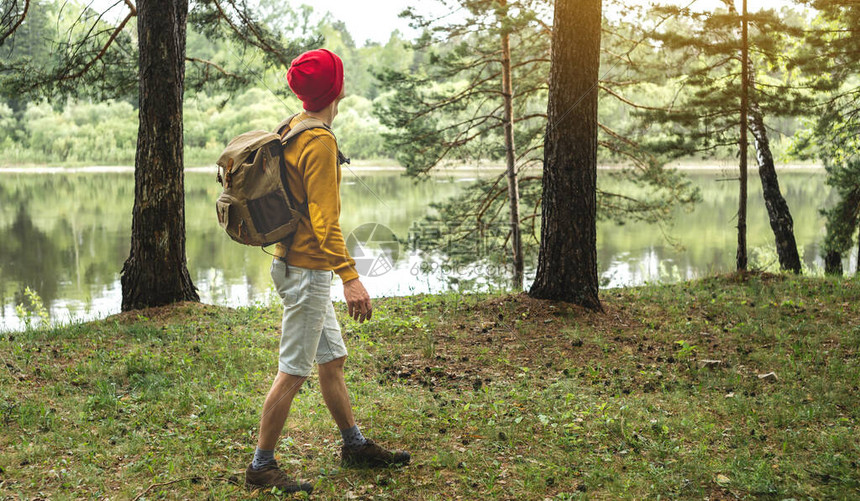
(284, 124)
(286, 136)
(305, 125)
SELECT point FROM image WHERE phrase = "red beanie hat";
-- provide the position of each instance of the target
(316, 77)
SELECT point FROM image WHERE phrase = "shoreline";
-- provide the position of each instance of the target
(121, 169)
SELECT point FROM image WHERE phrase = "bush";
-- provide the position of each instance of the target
(106, 132)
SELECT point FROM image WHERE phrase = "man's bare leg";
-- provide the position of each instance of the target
(335, 394)
(276, 408)
(356, 449)
(263, 472)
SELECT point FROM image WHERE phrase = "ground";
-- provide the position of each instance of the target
(735, 387)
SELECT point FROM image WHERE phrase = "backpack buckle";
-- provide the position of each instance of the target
(341, 158)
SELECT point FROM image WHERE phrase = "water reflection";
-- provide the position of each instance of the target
(66, 236)
(30, 257)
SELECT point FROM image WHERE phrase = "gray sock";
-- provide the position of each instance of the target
(352, 437)
(263, 458)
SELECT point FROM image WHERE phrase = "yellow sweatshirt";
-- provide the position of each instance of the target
(313, 175)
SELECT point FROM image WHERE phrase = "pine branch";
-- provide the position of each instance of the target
(89, 33)
(546, 29)
(523, 153)
(471, 122)
(530, 116)
(216, 66)
(466, 94)
(625, 83)
(102, 52)
(625, 58)
(714, 146)
(488, 203)
(7, 15)
(631, 103)
(458, 141)
(638, 162)
(617, 136)
(258, 41)
(453, 71)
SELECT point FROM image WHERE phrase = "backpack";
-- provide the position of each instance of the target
(256, 207)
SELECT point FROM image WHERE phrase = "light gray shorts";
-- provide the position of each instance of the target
(309, 330)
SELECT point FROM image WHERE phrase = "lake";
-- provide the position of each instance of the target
(66, 234)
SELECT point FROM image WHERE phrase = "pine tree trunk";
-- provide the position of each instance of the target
(510, 158)
(833, 263)
(567, 264)
(741, 257)
(777, 209)
(155, 272)
(857, 268)
(842, 219)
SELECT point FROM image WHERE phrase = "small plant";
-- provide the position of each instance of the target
(764, 259)
(429, 348)
(35, 309)
(685, 350)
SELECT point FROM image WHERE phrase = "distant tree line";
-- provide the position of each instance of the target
(252, 93)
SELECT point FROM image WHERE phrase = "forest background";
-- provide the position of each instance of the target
(86, 130)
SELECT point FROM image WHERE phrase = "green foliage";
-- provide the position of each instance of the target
(833, 134)
(69, 49)
(106, 132)
(646, 194)
(451, 108)
(472, 227)
(685, 350)
(27, 45)
(697, 56)
(234, 82)
(81, 132)
(234, 46)
(843, 219)
(361, 63)
(33, 309)
(451, 112)
(359, 131)
(60, 54)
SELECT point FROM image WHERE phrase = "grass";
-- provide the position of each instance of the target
(496, 396)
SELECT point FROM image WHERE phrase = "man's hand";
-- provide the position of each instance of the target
(358, 300)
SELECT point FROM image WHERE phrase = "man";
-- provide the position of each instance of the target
(302, 274)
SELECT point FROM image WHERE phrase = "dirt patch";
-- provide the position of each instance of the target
(440, 372)
(171, 313)
(499, 340)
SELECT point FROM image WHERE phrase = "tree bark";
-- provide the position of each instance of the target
(742, 202)
(510, 157)
(155, 272)
(842, 219)
(777, 209)
(857, 268)
(567, 264)
(833, 263)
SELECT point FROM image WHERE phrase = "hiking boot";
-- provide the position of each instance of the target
(271, 476)
(371, 455)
